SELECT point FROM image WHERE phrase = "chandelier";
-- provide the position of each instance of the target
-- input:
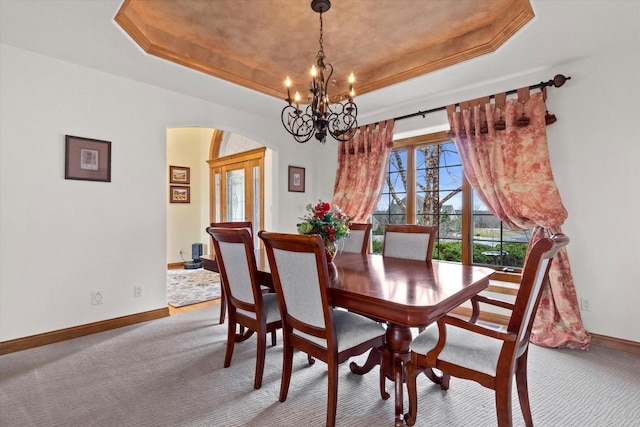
(320, 116)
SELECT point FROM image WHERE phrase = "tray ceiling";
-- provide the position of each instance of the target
(256, 44)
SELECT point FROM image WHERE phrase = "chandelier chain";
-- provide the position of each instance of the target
(321, 51)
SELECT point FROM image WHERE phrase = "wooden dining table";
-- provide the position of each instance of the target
(402, 293)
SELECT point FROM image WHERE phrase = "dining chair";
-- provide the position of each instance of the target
(230, 224)
(409, 241)
(488, 355)
(309, 322)
(358, 240)
(248, 307)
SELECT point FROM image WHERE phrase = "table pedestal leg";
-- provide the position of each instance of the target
(398, 340)
(372, 360)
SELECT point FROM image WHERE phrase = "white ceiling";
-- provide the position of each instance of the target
(84, 33)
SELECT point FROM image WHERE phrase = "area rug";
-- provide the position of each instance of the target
(186, 287)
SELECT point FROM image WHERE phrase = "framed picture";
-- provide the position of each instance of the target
(179, 194)
(87, 159)
(179, 175)
(296, 179)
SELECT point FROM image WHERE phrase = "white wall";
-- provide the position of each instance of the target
(594, 152)
(63, 239)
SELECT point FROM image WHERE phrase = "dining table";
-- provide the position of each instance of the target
(402, 293)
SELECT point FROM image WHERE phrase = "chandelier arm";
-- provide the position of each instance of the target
(342, 121)
(298, 124)
(346, 135)
(328, 67)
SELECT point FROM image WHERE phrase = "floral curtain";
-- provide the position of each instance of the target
(362, 164)
(557, 322)
(503, 148)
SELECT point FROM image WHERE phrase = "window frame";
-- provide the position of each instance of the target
(410, 144)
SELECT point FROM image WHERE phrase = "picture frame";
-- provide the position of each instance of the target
(179, 175)
(296, 179)
(87, 159)
(179, 194)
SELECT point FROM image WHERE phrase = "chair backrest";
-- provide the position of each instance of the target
(409, 241)
(534, 274)
(235, 224)
(237, 264)
(358, 240)
(300, 276)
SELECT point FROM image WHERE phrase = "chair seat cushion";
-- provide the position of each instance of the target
(270, 304)
(351, 330)
(462, 347)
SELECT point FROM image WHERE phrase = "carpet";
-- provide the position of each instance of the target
(169, 373)
(186, 287)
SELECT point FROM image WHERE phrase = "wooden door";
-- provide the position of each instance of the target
(237, 189)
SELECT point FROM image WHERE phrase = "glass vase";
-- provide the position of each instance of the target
(330, 249)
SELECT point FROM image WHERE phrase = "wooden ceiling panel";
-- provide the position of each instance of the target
(257, 44)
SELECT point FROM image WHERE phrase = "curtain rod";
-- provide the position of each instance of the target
(557, 81)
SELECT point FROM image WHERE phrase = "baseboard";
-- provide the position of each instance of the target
(615, 343)
(600, 340)
(175, 265)
(25, 343)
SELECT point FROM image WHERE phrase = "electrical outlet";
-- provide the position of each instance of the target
(137, 291)
(180, 252)
(96, 297)
(585, 304)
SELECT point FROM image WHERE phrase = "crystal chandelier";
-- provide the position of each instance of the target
(320, 116)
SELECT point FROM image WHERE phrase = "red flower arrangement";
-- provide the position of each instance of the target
(325, 220)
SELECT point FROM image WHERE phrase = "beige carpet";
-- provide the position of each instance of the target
(168, 372)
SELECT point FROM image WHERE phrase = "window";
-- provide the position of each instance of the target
(493, 242)
(425, 185)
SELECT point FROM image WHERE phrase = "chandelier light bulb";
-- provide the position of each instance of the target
(287, 83)
(351, 78)
(297, 99)
(314, 72)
